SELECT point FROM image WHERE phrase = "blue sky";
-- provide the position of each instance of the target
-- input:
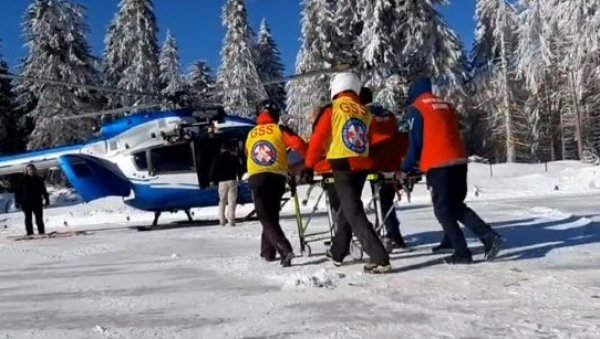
(196, 25)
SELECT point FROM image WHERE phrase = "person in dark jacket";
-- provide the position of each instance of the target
(225, 172)
(31, 198)
(437, 147)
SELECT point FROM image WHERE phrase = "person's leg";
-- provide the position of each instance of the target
(444, 209)
(392, 224)
(268, 190)
(232, 201)
(38, 212)
(223, 189)
(28, 211)
(349, 189)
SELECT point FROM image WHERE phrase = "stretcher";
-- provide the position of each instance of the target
(376, 180)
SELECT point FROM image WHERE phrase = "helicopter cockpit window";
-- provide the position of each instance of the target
(174, 158)
(141, 162)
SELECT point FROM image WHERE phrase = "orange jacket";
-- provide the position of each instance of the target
(442, 141)
(320, 141)
(388, 147)
(290, 139)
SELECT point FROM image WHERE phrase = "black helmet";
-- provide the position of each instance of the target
(270, 106)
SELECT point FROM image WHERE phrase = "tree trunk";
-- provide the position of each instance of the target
(575, 100)
(511, 153)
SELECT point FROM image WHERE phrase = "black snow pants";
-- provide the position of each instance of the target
(349, 186)
(36, 210)
(448, 192)
(392, 224)
(267, 190)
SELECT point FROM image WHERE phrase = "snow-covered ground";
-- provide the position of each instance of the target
(208, 281)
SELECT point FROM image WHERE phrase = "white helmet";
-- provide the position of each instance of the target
(346, 81)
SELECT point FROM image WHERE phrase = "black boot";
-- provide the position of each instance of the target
(286, 259)
(336, 263)
(443, 248)
(373, 268)
(454, 259)
(492, 247)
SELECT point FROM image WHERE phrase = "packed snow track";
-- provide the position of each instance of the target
(209, 282)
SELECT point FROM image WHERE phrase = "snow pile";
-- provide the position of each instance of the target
(528, 180)
(320, 279)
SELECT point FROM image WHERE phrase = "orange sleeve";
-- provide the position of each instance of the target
(293, 141)
(321, 137)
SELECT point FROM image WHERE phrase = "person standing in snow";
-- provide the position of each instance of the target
(225, 172)
(342, 133)
(436, 145)
(266, 149)
(31, 197)
(388, 149)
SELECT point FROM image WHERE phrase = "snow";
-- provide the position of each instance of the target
(208, 281)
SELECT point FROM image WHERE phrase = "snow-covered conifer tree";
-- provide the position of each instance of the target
(6, 107)
(495, 43)
(171, 79)
(131, 52)
(316, 53)
(238, 77)
(269, 64)
(200, 82)
(56, 33)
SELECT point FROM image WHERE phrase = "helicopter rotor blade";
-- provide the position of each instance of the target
(108, 112)
(75, 84)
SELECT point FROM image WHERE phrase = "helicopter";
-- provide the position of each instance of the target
(157, 161)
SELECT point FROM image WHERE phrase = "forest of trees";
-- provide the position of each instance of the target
(528, 90)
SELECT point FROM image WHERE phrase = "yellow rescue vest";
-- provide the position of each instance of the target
(266, 150)
(349, 129)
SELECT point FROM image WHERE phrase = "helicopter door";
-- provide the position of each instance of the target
(206, 151)
(173, 166)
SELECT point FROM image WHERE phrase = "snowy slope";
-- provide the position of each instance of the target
(208, 282)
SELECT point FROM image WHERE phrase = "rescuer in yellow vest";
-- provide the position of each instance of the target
(342, 133)
(266, 149)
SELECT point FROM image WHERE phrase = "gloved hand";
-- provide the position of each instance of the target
(399, 176)
(46, 203)
(18, 206)
(307, 175)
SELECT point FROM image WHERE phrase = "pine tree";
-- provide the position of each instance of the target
(380, 42)
(200, 82)
(171, 80)
(238, 77)
(56, 34)
(6, 107)
(495, 43)
(131, 52)
(316, 53)
(269, 64)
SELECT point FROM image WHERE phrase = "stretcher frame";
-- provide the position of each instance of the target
(356, 252)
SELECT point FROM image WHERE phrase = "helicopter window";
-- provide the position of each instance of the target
(174, 158)
(140, 160)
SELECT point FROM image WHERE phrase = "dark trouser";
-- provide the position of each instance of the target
(36, 210)
(392, 224)
(348, 186)
(448, 191)
(268, 189)
(334, 204)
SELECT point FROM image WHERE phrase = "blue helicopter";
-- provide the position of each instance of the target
(157, 162)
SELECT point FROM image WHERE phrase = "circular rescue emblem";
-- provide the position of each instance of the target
(354, 135)
(264, 153)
